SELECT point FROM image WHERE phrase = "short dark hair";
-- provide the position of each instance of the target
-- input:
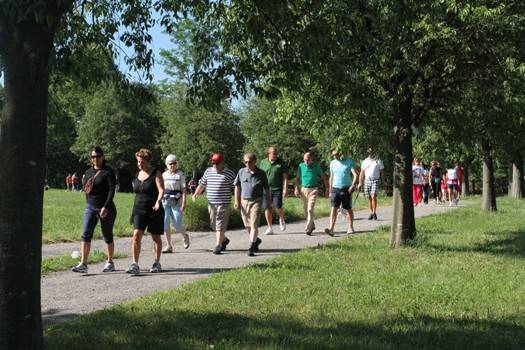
(97, 150)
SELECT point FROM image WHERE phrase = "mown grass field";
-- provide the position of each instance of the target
(460, 285)
(63, 212)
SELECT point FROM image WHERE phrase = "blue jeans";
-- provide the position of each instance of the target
(173, 213)
(91, 218)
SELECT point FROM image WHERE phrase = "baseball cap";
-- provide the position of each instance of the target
(217, 158)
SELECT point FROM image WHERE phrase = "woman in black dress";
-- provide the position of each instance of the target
(99, 206)
(148, 212)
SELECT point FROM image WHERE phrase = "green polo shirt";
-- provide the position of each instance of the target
(274, 171)
(310, 175)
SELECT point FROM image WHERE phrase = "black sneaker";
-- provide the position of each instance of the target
(217, 250)
(371, 216)
(251, 250)
(375, 216)
(256, 245)
(225, 243)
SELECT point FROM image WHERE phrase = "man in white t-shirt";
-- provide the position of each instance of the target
(372, 175)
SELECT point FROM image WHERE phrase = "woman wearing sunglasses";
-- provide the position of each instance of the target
(99, 185)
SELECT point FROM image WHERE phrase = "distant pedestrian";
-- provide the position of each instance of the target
(426, 185)
(434, 177)
(69, 182)
(371, 175)
(192, 185)
(251, 184)
(343, 178)
(309, 174)
(99, 186)
(218, 181)
(75, 180)
(174, 203)
(277, 174)
(444, 188)
(461, 179)
(148, 213)
(418, 181)
(452, 184)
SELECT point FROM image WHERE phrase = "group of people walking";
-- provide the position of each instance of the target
(445, 185)
(160, 199)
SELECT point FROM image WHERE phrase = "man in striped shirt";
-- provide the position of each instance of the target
(219, 183)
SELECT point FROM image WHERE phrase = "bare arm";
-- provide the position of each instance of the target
(159, 181)
(197, 192)
(285, 185)
(237, 197)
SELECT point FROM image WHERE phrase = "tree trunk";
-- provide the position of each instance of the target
(488, 197)
(25, 48)
(465, 185)
(403, 223)
(517, 177)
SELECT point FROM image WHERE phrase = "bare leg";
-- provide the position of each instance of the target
(220, 237)
(280, 212)
(350, 220)
(136, 244)
(333, 218)
(370, 205)
(84, 251)
(167, 237)
(269, 216)
(110, 248)
(157, 247)
(373, 203)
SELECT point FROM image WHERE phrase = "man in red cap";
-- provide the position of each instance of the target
(218, 182)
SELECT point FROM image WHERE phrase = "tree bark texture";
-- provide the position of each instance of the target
(25, 48)
(403, 223)
(517, 177)
(465, 184)
(488, 196)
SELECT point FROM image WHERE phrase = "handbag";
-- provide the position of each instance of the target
(88, 187)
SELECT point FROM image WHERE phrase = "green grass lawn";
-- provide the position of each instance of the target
(460, 285)
(63, 212)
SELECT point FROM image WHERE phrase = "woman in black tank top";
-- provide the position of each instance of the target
(147, 212)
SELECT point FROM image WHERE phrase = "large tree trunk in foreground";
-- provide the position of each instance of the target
(517, 177)
(25, 48)
(403, 223)
(488, 197)
(465, 185)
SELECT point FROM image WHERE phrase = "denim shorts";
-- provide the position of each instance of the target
(341, 197)
(277, 199)
(172, 213)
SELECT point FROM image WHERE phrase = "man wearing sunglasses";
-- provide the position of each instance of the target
(251, 184)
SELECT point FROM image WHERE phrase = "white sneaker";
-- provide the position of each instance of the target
(269, 231)
(282, 224)
(450, 204)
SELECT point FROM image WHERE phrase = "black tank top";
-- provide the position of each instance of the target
(435, 172)
(146, 194)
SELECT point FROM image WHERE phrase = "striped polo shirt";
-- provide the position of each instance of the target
(219, 186)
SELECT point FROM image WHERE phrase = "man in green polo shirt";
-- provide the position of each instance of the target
(309, 173)
(277, 174)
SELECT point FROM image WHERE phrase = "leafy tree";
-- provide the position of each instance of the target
(193, 133)
(263, 129)
(34, 35)
(121, 122)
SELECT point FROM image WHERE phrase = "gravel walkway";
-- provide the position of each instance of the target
(67, 294)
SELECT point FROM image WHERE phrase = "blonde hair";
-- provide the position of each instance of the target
(144, 153)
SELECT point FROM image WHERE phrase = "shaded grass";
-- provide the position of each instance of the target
(63, 212)
(458, 286)
(65, 262)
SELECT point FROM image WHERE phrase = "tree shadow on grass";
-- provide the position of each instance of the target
(120, 328)
(513, 244)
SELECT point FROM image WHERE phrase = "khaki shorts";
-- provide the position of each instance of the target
(251, 212)
(219, 216)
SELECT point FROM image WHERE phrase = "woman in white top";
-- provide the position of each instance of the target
(174, 202)
(418, 181)
(452, 184)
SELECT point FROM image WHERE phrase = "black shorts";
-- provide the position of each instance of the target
(152, 221)
(277, 199)
(341, 197)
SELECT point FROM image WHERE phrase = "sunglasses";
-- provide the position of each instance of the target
(174, 163)
(96, 156)
(248, 161)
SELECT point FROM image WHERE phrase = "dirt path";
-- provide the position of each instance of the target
(67, 294)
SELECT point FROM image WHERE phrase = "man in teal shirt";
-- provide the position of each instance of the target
(277, 173)
(309, 173)
(342, 183)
